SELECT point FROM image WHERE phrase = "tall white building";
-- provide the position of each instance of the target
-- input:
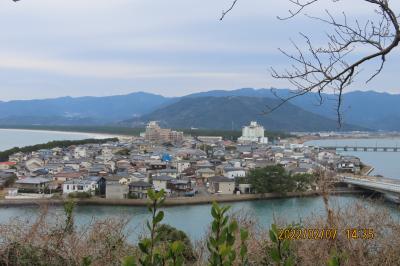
(253, 133)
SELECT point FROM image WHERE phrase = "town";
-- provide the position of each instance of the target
(182, 165)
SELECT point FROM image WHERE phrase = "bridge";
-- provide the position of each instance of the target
(390, 188)
(362, 148)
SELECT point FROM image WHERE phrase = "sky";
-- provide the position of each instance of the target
(54, 48)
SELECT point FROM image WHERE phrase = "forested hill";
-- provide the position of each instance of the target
(236, 111)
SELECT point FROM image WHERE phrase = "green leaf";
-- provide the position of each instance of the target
(151, 194)
(148, 225)
(214, 212)
(290, 261)
(214, 226)
(177, 247)
(243, 251)
(144, 245)
(244, 234)
(286, 245)
(273, 236)
(87, 261)
(230, 239)
(274, 253)
(274, 228)
(233, 226)
(128, 261)
(333, 261)
(159, 217)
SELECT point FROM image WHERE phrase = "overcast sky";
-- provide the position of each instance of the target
(52, 48)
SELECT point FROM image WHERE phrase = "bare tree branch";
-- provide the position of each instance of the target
(224, 13)
(335, 66)
(330, 67)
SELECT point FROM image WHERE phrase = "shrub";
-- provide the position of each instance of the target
(80, 195)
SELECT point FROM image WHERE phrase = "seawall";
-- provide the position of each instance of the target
(173, 201)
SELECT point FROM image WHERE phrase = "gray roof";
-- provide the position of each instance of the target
(33, 180)
(163, 178)
(167, 171)
(140, 184)
(230, 168)
(220, 179)
(177, 182)
(205, 170)
(79, 182)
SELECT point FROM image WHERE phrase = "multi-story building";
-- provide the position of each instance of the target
(157, 134)
(253, 133)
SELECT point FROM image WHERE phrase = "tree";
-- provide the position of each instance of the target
(168, 234)
(349, 46)
(303, 181)
(271, 179)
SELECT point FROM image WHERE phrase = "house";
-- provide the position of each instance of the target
(138, 189)
(161, 182)
(33, 164)
(157, 165)
(6, 178)
(246, 188)
(40, 172)
(221, 185)
(179, 187)
(137, 176)
(204, 173)
(182, 166)
(80, 185)
(348, 164)
(17, 157)
(6, 165)
(115, 190)
(98, 169)
(65, 176)
(33, 184)
(234, 172)
(170, 172)
(45, 153)
(123, 164)
(101, 184)
(80, 152)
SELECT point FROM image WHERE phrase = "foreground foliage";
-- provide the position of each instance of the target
(234, 238)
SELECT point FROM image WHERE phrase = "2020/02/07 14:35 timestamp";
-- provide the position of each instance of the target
(325, 233)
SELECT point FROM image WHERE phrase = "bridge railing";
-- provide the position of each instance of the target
(372, 184)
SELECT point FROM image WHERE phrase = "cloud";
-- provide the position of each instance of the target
(75, 47)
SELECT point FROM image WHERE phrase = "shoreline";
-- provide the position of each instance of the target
(172, 202)
(103, 135)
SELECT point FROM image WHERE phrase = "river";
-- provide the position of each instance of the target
(384, 163)
(194, 220)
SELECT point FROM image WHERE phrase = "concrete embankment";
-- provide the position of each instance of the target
(367, 169)
(173, 201)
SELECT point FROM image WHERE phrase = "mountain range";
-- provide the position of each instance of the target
(216, 109)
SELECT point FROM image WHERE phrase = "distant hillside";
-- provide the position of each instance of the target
(370, 109)
(79, 111)
(235, 112)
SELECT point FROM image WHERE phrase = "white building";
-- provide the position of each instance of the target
(253, 133)
(80, 152)
(79, 185)
(161, 182)
(233, 172)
